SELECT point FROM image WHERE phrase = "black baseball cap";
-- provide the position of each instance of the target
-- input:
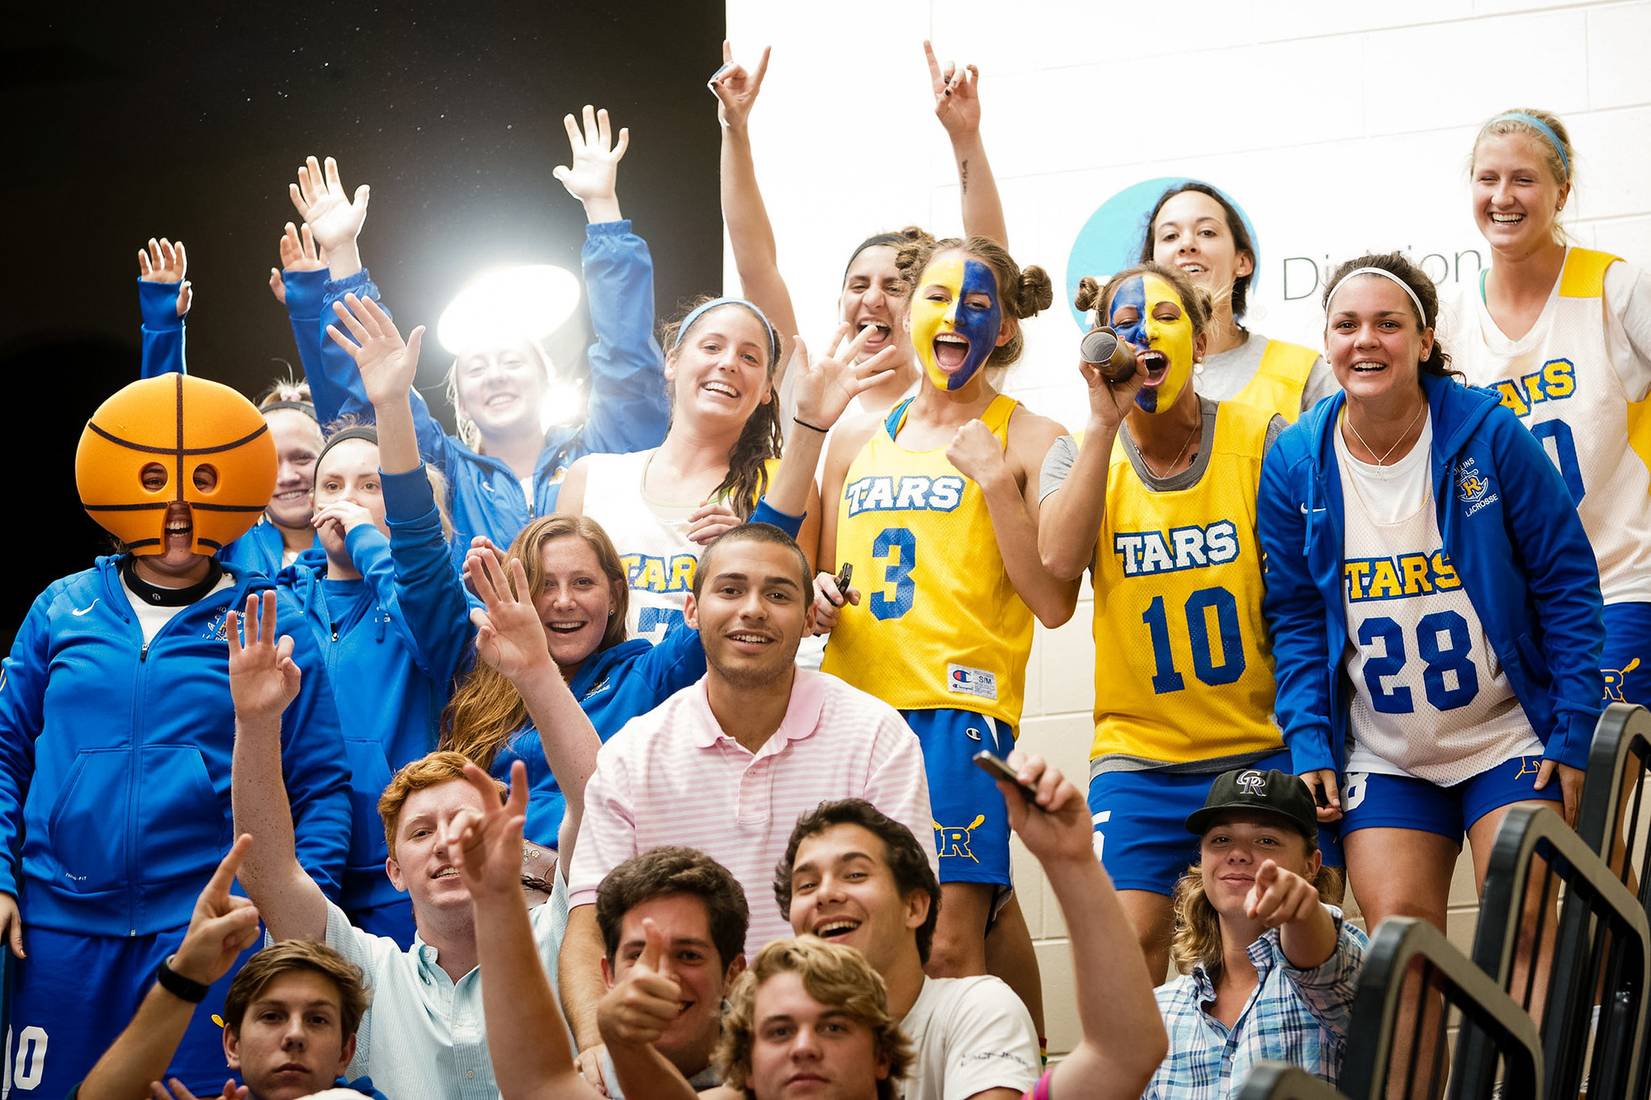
(1248, 790)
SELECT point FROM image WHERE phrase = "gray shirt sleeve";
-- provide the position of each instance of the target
(1057, 464)
(1275, 428)
(1321, 383)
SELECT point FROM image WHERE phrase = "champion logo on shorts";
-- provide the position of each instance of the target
(963, 680)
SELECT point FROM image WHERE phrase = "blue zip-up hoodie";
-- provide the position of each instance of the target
(391, 658)
(613, 686)
(115, 757)
(627, 408)
(1512, 535)
(260, 549)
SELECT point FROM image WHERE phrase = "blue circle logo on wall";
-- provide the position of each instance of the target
(1111, 239)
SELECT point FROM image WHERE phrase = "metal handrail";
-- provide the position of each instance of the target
(1486, 1009)
(1281, 1081)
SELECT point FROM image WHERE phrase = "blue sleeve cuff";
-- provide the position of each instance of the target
(305, 291)
(620, 228)
(766, 513)
(1310, 752)
(408, 495)
(158, 305)
(360, 284)
(365, 537)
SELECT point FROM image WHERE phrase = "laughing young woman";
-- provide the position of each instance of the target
(1176, 703)
(1564, 335)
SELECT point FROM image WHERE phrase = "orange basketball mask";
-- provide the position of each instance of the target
(191, 440)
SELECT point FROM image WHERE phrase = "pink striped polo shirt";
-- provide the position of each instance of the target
(671, 776)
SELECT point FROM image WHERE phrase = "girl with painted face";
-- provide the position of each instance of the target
(284, 530)
(505, 467)
(661, 506)
(1159, 503)
(117, 727)
(874, 294)
(1563, 334)
(935, 506)
(1197, 230)
(1433, 601)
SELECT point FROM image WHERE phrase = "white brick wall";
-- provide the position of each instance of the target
(1339, 127)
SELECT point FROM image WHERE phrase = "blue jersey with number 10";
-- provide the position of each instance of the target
(941, 625)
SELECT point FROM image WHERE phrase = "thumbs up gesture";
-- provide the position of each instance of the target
(1279, 897)
(645, 1001)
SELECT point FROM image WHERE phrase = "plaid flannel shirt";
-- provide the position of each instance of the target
(1294, 1016)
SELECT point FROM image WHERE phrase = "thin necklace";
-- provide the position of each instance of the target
(1382, 461)
(1174, 461)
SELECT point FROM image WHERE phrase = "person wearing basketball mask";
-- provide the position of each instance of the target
(116, 729)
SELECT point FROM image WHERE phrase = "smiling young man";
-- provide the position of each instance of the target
(852, 876)
(673, 924)
(728, 764)
(1270, 966)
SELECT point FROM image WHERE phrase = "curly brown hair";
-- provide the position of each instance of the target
(285, 957)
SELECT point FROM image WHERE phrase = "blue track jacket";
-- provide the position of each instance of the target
(627, 408)
(115, 757)
(1511, 532)
(391, 657)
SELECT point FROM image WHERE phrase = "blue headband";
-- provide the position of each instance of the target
(1542, 128)
(694, 315)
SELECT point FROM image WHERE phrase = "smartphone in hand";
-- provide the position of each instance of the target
(998, 768)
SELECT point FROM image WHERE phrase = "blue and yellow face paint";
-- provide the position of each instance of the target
(1148, 314)
(955, 319)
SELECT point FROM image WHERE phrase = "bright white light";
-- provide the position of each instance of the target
(563, 404)
(508, 304)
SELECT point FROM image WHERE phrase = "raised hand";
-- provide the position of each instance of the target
(825, 386)
(1054, 826)
(386, 362)
(593, 178)
(509, 634)
(735, 88)
(642, 1004)
(486, 846)
(1278, 897)
(976, 452)
(333, 217)
(709, 521)
(956, 95)
(298, 253)
(165, 262)
(231, 1091)
(263, 678)
(222, 925)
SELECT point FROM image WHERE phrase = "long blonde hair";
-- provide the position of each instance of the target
(486, 710)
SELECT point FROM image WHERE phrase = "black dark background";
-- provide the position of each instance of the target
(189, 121)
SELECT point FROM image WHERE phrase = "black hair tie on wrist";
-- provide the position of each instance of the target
(184, 989)
(810, 427)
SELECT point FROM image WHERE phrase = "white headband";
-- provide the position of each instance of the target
(1421, 314)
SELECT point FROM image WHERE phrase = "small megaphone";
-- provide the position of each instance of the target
(1102, 347)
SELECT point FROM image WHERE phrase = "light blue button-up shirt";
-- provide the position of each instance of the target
(424, 1035)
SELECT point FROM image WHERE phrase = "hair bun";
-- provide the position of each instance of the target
(1037, 291)
(1089, 294)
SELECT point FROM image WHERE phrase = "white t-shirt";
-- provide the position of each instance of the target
(650, 535)
(1429, 695)
(1223, 375)
(151, 617)
(970, 1034)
